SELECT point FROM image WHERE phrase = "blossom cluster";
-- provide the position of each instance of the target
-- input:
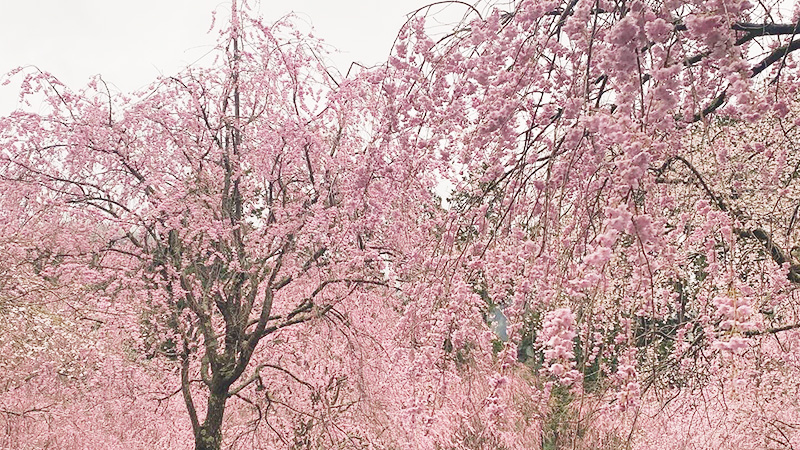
(556, 337)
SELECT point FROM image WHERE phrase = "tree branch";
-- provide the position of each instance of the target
(186, 389)
(762, 236)
(257, 374)
(772, 330)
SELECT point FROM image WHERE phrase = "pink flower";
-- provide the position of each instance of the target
(598, 257)
(658, 30)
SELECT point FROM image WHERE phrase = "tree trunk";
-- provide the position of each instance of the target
(209, 435)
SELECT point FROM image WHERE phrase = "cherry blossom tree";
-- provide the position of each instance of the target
(215, 219)
(622, 194)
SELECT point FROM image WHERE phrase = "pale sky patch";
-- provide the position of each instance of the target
(130, 43)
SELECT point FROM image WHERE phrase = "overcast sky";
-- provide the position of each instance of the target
(131, 42)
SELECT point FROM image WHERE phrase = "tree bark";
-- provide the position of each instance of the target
(209, 435)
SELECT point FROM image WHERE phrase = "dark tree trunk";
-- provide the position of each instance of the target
(209, 435)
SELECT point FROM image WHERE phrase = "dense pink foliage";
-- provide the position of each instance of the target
(256, 254)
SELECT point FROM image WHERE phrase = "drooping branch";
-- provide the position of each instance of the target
(776, 55)
(762, 236)
(718, 201)
(751, 31)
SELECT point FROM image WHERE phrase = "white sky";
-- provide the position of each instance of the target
(130, 42)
